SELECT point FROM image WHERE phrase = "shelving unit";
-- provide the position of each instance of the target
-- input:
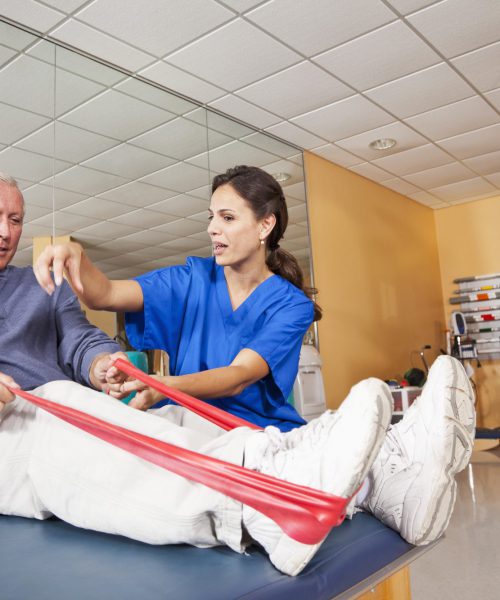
(478, 298)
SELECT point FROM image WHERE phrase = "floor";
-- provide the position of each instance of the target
(466, 564)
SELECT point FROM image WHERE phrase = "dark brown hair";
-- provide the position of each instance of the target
(265, 197)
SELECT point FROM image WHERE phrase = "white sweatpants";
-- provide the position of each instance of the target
(50, 467)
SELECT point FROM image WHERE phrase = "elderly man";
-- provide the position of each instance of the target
(49, 467)
(42, 338)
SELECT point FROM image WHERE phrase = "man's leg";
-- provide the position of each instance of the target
(412, 481)
(95, 485)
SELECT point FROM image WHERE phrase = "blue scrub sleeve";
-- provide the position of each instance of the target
(158, 325)
(279, 341)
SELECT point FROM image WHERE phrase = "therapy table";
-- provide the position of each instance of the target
(51, 560)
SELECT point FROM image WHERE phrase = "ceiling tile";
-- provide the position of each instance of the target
(182, 82)
(297, 213)
(295, 171)
(370, 171)
(117, 115)
(180, 177)
(182, 206)
(17, 123)
(65, 223)
(46, 195)
(380, 62)
(481, 67)
(405, 137)
(344, 118)
(72, 90)
(98, 208)
(272, 145)
(141, 218)
(71, 143)
(297, 191)
(234, 153)
(425, 198)
(181, 227)
(219, 123)
(33, 212)
(457, 26)
(86, 181)
(314, 26)
(485, 164)
(137, 194)
(15, 38)
(266, 57)
(240, 5)
(442, 175)
(6, 54)
(128, 161)
(106, 230)
(183, 244)
(99, 44)
(159, 28)
(155, 96)
(400, 186)
(414, 160)
(336, 155)
(39, 17)
(66, 6)
(179, 138)
(149, 252)
(494, 98)
(421, 91)
(494, 178)
(474, 143)
(32, 230)
(470, 189)
(146, 238)
(454, 119)
(405, 7)
(28, 165)
(283, 93)
(20, 79)
(240, 109)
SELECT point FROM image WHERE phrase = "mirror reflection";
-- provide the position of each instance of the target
(123, 166)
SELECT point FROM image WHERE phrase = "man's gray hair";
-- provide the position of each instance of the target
(11, 181)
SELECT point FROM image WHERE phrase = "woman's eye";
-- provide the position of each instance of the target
(228, 218)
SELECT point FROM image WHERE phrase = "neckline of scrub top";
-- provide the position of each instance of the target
(225, 299)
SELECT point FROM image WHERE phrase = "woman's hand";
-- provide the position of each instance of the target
(60, 258)
(145, 397)
(5, 395)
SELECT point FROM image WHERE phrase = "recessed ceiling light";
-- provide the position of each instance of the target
(382, 144)
(281, 177)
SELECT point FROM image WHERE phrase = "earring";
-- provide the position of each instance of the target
(261, 242)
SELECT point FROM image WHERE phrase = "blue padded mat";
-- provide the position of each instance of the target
(51, 560)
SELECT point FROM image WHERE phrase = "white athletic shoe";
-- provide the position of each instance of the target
(412, 479)
(332, 453)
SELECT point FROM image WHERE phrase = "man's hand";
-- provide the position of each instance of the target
(106, 377)
(5, 395)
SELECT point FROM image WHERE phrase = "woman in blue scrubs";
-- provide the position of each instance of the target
(231, 324)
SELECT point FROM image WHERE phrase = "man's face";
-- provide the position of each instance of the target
(11, 222)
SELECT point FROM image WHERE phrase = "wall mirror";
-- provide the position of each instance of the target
(120, 164)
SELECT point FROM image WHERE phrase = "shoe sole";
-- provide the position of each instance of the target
(357, 434)
(450, 453)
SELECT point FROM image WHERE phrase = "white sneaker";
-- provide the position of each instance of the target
(332, 454)
(413, 486)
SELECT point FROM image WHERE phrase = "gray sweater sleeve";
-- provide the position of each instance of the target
(79, 342)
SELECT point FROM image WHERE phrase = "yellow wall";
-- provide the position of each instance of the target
(376, 267)
(469, 244)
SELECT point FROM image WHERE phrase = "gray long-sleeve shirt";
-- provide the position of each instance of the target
(45, 338)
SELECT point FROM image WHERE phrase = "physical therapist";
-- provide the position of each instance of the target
(231, 324)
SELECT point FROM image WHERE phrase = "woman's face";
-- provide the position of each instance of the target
(233, 229)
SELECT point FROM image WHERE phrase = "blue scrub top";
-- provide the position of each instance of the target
(187, 312)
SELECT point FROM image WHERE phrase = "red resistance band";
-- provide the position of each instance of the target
(216, 415)
(305, 514)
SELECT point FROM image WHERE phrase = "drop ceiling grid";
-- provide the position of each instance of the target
(351, 157)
